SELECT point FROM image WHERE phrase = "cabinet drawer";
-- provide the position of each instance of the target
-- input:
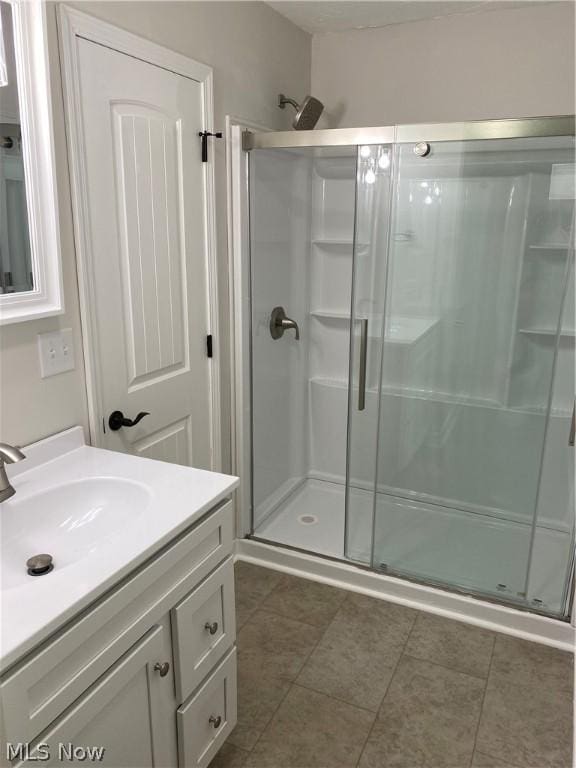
(203, 629)
(207, 719)
(39, 689)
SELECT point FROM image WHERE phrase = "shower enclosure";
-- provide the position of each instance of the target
(412, 352)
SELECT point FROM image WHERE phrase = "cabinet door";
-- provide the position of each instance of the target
(129, 714)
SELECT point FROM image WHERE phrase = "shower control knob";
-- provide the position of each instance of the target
(422, 149)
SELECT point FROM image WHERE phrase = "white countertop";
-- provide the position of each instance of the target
(168, 499)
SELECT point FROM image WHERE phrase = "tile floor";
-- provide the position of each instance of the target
(332, 679)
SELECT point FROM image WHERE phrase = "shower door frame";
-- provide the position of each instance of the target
(246, 139)
(476, 130)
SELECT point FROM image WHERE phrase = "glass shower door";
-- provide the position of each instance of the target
(478, 260)
(372, 216)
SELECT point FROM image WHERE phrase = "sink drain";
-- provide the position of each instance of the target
(39, 565)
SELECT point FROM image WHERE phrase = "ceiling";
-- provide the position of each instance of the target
(339, 15)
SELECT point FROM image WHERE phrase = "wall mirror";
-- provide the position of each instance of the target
(30, 272)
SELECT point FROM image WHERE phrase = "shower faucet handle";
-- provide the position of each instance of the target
(280, 322)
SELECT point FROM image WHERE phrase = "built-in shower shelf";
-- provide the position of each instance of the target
(548, 246)
(342, 319)
(339, 245)
(569, 333)
(399, 330)
(445, 398)
(336, 168)
(326, 382)
(328, 314)
(336, 383)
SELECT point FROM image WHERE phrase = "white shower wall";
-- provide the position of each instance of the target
(280, 247)
(456, 435)
(302, 209)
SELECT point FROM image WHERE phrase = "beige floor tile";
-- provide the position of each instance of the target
(355, 659)
(229, 756)
(342, 650)
(259, 696)
(520, 662)
(311, 730)
(453, 644)
(527, 726)
(428, 719)
(271, 652)
(305, 600)
(269, 642)
(253, 584)
(487, 761)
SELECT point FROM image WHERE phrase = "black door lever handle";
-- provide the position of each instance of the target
(117, 420)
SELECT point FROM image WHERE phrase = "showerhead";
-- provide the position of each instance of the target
(307, 114)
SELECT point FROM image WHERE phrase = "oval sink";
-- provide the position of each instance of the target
(67, 521)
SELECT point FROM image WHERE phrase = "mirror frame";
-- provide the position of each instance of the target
(34, 96)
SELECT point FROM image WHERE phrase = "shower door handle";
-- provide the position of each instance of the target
(363, 359)
(572, 434)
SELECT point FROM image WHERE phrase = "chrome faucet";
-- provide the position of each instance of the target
(8, 455)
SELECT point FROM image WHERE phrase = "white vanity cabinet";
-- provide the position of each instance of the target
(128, 711)
(148, 672)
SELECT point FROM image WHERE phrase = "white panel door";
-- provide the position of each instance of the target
(146, 206)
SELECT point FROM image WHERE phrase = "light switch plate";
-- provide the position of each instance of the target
(56, 350)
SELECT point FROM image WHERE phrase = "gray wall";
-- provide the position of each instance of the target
(470, 66)
(255, 53)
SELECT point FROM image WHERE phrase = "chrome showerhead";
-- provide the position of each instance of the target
(307, 114)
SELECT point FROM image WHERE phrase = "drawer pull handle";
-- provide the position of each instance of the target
(216, 722)
(162, 667)
(211, 627)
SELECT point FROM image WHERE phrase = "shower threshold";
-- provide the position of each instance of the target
(431, 544)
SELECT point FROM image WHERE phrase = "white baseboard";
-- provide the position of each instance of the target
(498, 618)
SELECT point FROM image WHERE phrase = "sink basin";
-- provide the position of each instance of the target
(67, 521)
(100, 514)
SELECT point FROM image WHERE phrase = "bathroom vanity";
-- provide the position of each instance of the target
(128, 644)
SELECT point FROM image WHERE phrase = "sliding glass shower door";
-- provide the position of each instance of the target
(373, 199)
(477, 268)
(412, 352)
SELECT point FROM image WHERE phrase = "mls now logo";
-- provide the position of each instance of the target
(65, 752)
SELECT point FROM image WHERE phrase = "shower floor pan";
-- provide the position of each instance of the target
(427, 542)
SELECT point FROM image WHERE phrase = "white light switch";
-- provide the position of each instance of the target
(56, 352)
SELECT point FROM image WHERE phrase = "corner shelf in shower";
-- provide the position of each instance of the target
(329, 314)
(443, 398)
(334, 244)
(336, 168)
(548, 247)
(569, 333)
(334, 383)
(400, 330)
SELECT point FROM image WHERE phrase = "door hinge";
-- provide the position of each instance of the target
(209, 351)
(205, 135)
